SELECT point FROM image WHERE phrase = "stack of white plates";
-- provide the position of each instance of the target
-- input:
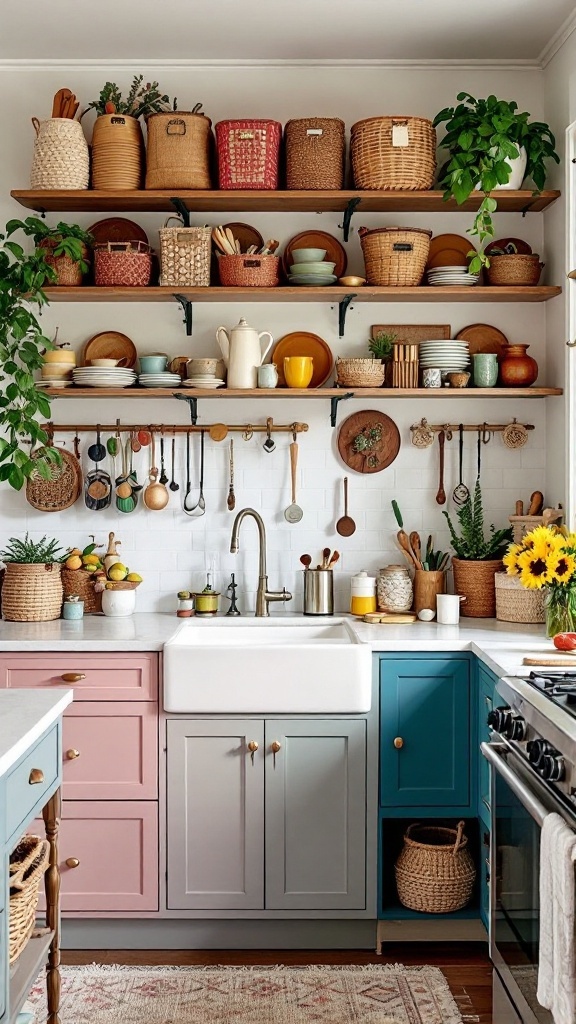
(204, 381)
(103, 377)
(160, 380)
(58, 382)
(448, 356)
(441, 277)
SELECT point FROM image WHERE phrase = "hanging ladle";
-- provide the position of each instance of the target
(460, 494)
(173, 485)
(163, 478)
(197, 510)
(97, 451)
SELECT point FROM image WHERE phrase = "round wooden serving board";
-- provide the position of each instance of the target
(382, 452)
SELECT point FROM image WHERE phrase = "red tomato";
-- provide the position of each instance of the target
(565, 641)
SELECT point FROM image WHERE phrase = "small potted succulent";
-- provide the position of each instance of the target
(477, 558)
(32, 585)
(382, 348)
(491, 146)
(65, 248)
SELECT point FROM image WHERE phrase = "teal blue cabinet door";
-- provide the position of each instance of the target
(424, 732)
(486, 698)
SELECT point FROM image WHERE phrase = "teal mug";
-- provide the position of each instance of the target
(485, 369)
(155, 363)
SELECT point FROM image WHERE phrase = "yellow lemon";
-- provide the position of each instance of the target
(89, 568)
(134, 577)
(74, 551)
(116, 573)
(90, 559)
(73, 562)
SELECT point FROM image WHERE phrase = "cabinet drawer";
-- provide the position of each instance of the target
(110, 751)
(32, 781)
(99, 676)
(116, 846)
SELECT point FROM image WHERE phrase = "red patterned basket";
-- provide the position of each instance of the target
(248, 153)
(124, 264)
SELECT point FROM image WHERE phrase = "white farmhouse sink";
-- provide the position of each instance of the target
(271, 666)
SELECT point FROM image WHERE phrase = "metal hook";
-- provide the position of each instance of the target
(248, 433)
(486, 434)
(447, 431)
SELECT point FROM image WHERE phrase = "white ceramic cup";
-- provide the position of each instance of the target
(448, 608)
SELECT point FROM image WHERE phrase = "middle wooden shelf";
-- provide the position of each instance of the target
(367, 293)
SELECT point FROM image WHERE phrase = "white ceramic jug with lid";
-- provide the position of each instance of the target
(241, 348)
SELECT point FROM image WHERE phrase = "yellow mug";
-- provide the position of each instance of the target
(298, 371)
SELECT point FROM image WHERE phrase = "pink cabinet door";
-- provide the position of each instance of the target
(110, 751)
(92, 676)
(108, 855)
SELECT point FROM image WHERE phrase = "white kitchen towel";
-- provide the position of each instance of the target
(557, 953)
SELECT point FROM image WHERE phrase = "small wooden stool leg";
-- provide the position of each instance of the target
(51, 814)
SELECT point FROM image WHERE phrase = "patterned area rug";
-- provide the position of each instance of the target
(387, 994)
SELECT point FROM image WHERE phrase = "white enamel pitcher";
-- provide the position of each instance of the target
(241, 348)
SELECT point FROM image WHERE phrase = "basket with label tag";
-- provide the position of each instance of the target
(315, 153)
(393, 153)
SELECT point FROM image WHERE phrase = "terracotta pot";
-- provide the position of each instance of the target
(475, 581)
(517, 369)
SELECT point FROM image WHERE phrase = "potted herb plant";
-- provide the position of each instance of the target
(32, 586)
(491, 146)
(65, 247)
(382, 348)
(22, 344)
(477, 558)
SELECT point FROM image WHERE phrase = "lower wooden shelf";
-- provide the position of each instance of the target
(24, 972)
(397, 912)
(367, 293)
(305, 393)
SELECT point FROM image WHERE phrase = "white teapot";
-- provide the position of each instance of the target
(241, 348)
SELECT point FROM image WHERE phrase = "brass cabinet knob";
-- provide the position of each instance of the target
(398, 742)
(275, 746)
(72, 677)
(71, 754)
(252, 746)
(72, 862)
(36, 776)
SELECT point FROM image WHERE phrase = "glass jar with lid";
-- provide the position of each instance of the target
(394, 589)
(362, 593)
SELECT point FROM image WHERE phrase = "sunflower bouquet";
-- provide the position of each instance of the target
(545, 558)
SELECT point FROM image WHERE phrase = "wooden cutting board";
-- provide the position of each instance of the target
(389, 618)
(548, 661)
(368, 441)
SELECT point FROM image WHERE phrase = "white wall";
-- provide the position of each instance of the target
(170, 550)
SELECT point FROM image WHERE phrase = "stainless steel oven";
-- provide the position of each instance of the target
(520, 800)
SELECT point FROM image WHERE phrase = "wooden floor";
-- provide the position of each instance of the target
(465, 965)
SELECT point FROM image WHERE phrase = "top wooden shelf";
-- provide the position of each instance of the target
(261, 201)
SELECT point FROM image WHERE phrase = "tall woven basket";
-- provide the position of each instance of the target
(315, 153)
(81, 583)
(185, 256)
(32, 593)
(515, 603)
(28, 862)
(61, 158)
(117, 153)
(248, 153)
(435, 872)
(393, 153)
(395, 257)
(475, 580)
(178, 150)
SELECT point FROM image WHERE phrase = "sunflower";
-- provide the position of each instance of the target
(544, 541)
(511, 559)
(534, 570)
(561, 566)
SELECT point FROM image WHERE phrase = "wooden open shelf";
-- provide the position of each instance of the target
(287, 393)
(25, 970)
(261, 201)
(368, 293)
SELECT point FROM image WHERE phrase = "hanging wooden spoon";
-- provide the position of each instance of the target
(218, 432)
(346, 525)
(306, 561)
(441, 493)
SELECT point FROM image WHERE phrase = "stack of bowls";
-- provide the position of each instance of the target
(164, 379)
(56, 371)
(310, 268)
(446, 355)
(206, 374)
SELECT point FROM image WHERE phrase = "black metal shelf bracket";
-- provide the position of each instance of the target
(192, 405)
(348, 214)
(334, 405)
(181, 209)
(342, 310)
(187, 305)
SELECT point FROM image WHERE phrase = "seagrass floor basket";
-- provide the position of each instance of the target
(435, 872)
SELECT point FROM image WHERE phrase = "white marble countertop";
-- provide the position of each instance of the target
(24, 716)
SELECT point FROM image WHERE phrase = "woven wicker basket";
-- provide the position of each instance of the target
(28, 862)
(395, 257)
(61, 490)
(360, 373)
(249, 271)
(514, 603)
(122, 264)
(315, 153)
(32, 593)
(81, 583)
(185, 256)
(178, 150)
(435, 872)
(393, 153)
(117, 153)
(248, 153)
(514, 269)
(68, 271)
(475, 581)
(61, 157)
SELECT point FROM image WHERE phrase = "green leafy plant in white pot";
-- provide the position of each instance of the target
(491, 146)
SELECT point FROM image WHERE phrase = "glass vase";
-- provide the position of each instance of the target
(560, 608)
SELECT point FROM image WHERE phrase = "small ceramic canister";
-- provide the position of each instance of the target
(431, 377)
(485, 369)
(394, 589)
(73, 608)
(267, 375)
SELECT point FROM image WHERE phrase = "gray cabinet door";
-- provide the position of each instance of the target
(215, 815)
(315, 815)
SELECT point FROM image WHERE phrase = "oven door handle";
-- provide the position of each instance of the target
(535, 809)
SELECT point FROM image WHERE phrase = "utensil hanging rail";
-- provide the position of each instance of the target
(453, 428)
(173, 428)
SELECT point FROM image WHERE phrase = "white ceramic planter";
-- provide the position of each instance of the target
(518, 165)
(118, 602)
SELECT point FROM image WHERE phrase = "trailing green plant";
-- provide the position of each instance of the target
(30, 552)
(381, 346)
(71, 238)
(481, 137)
(140, 101)
(22, 343)
(472, 544)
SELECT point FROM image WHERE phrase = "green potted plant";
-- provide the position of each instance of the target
(382, 348)
(491, 146)
(32, 585)
(65, 247)
(477, 558)
(22, 344)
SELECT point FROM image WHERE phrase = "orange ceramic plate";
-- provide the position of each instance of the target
(449, 251)
(303, 343)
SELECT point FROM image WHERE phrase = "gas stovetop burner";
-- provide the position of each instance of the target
(560, 687)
